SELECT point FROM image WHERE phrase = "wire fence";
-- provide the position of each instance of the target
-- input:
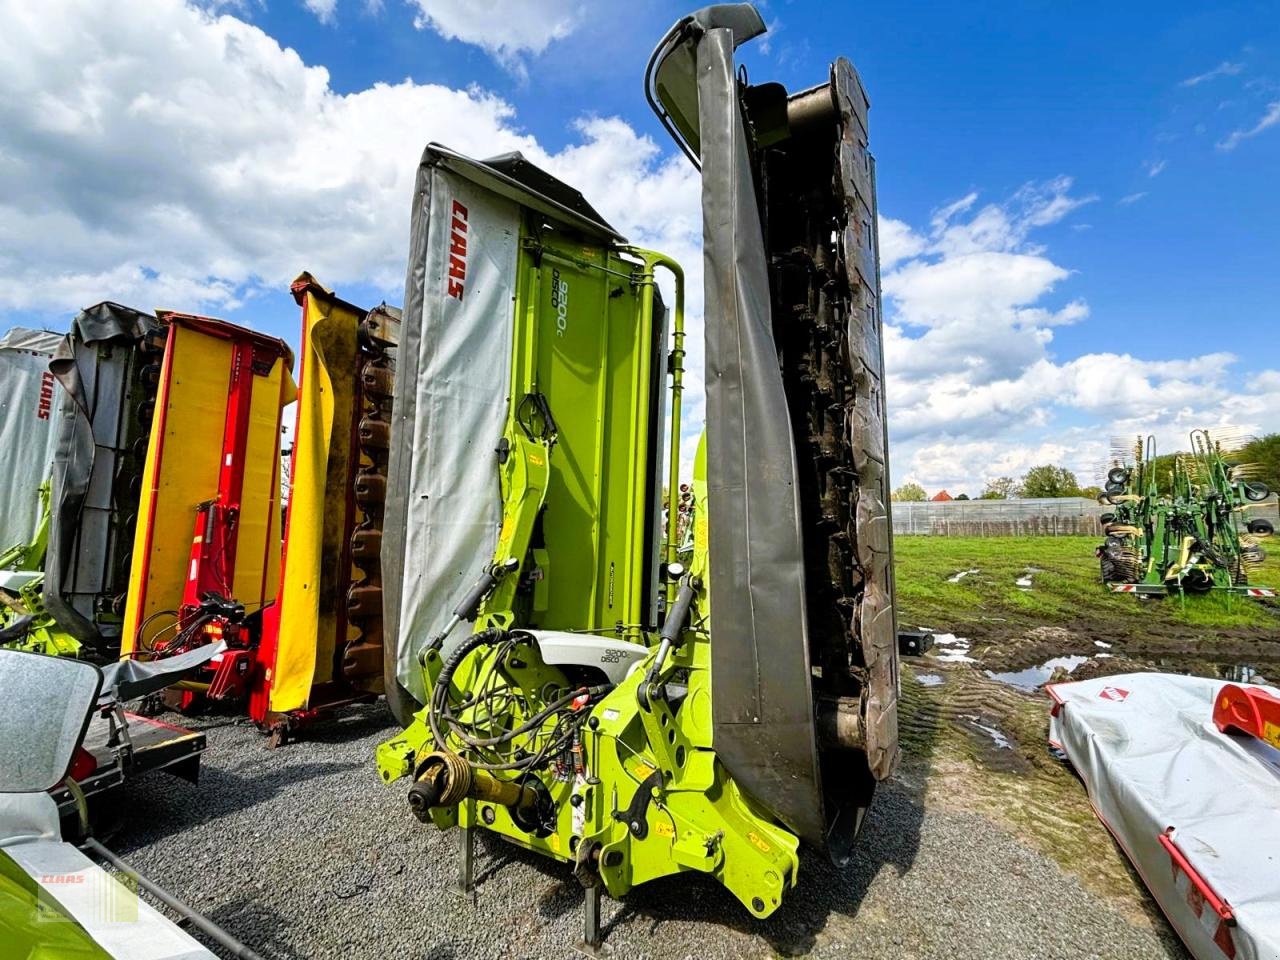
(1049, 517)
(1057, 517)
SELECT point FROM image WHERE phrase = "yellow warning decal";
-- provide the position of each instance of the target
(1271, 733)
(758, 842)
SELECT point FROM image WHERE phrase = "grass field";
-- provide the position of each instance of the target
(1065, 591)
(975, 742)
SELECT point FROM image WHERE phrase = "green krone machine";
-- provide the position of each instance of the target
(1187, 532)
(551, 646)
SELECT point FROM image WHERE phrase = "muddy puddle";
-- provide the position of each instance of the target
(1047, 654)
(1024, 581)
(948, 648)
(1034, 677)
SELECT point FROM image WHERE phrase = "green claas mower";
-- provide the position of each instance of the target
(24, 622)
(572, 672)
(1191, 535)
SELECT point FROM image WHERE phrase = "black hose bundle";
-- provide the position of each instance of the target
(568, 709)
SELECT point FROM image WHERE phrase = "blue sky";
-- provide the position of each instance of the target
(1081, 222)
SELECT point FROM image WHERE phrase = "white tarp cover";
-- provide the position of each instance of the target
(27, 439)
(111, 914)
(1149, 754)
(458, 365)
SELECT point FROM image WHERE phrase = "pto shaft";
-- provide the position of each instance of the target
(445, 779)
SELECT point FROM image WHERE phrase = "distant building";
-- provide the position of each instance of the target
(941, 497)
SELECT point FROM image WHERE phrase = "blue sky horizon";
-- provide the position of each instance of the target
(1080, 226)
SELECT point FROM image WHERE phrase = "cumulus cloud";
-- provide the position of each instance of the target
(506, 29)
(898, 242)
(158, 154)
(1269, 119)
(966, 294)
(975, 391)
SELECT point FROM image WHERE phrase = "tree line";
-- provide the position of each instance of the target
(1049, 480)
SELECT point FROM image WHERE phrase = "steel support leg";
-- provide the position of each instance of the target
(592, 944)
(466, 863)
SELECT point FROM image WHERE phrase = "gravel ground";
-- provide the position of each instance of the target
(302, 853)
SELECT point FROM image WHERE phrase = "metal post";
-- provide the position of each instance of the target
(592, 942)
(466, 863)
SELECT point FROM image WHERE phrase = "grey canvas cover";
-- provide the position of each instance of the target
(93, 500)
(443, 507)
(130, 679)
(762, 700)
(799, 541)
(27, 400)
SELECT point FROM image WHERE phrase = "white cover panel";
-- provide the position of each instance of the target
(105, 909)
(27, 437)
(454, 507)
(1151, 758)
(28, 816)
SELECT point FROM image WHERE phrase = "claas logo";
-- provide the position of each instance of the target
(45, 405)
(458, 251)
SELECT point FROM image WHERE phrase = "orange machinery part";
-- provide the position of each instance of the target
(1249, 710)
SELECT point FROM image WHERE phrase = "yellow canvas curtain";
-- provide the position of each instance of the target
(184, 457)
(314, 582)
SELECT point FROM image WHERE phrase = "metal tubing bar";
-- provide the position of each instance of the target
(651, 260)
(205, 925)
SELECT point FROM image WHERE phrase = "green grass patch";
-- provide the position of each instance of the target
(1066, 590)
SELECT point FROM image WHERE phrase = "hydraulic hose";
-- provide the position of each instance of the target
(451, 664)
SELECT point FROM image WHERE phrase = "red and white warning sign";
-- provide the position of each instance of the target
(1113, 693)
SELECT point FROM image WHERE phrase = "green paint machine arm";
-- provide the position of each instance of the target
(30, 556)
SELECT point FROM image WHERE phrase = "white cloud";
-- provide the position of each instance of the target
(1224, 69)
(969, 467)
(1156, 167)
(974, 390)
(1131, 198)
(506, 29)
(898, 242)
(1269, 119)
(159, 155)
(965, 295)
(324, 10)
